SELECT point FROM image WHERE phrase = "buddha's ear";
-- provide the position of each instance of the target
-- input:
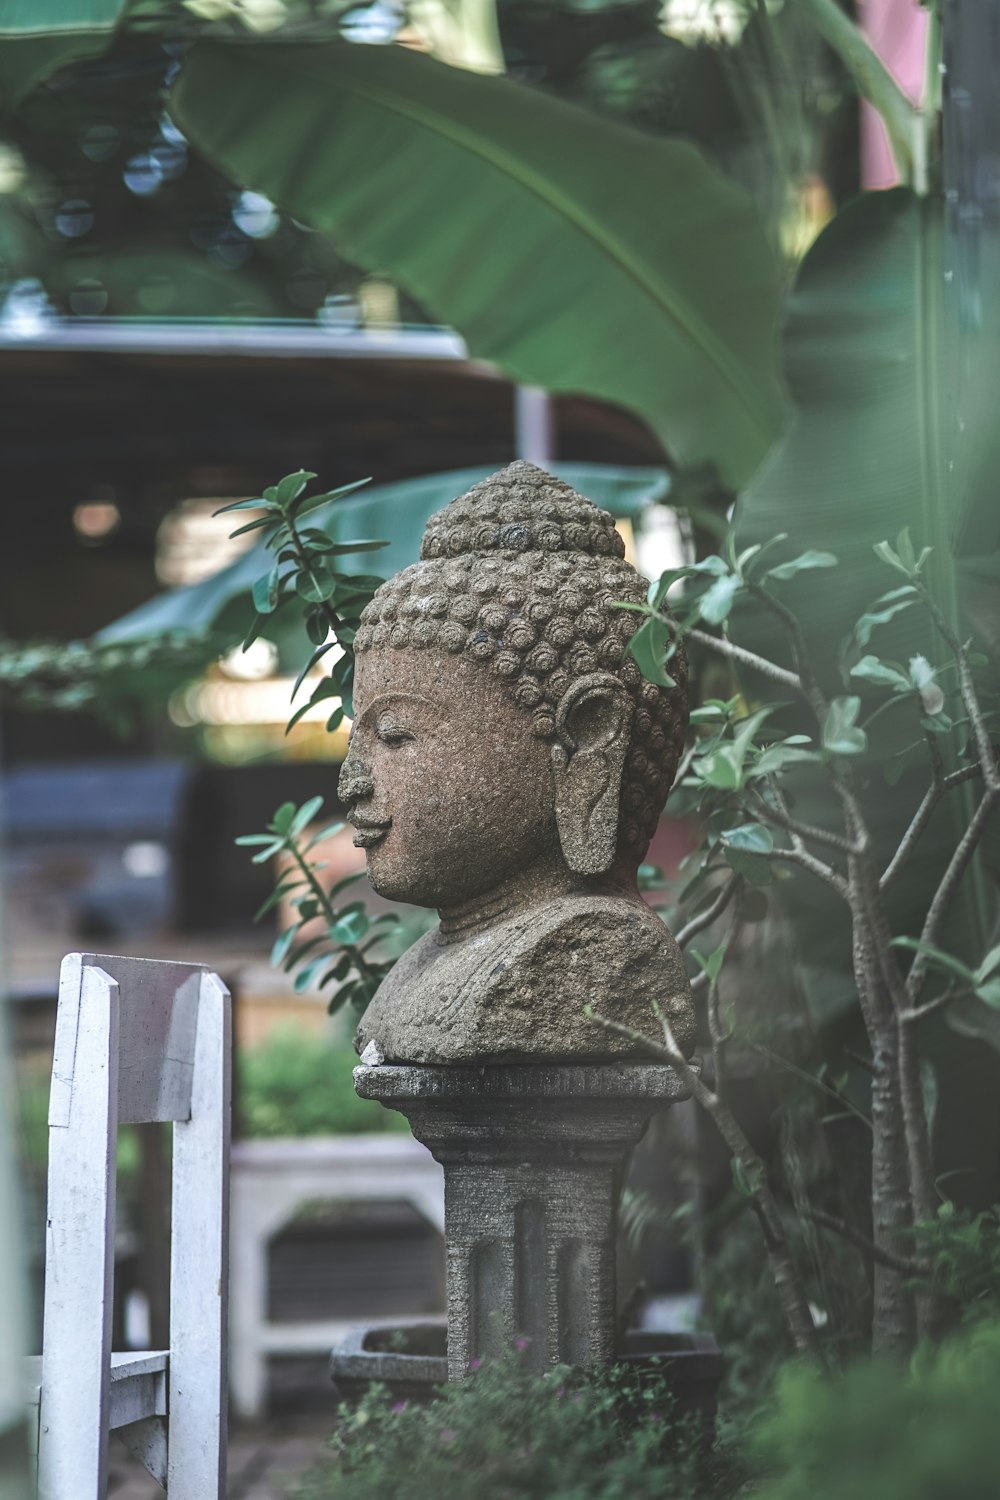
(593, 720)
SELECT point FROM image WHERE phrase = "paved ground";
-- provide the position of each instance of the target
(264, 1460)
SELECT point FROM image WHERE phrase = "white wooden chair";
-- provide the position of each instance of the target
(137, 1040)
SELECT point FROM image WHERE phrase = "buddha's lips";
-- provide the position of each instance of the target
(367, 835)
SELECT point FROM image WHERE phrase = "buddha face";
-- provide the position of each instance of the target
(449, 790)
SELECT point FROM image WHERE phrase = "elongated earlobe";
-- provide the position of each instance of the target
(593, 720)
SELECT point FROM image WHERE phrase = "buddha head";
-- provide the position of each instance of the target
(503, 734)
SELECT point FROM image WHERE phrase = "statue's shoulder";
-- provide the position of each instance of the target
(520, 990)
(609, 953)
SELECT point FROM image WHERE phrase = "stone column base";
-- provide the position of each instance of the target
(532, 1158)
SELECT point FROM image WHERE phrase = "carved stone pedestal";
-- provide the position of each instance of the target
(532, 1158)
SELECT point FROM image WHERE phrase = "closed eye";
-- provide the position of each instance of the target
(393, 734)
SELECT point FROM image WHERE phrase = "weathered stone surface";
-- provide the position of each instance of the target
(507, 765)
(467, 1001)
(532, 1159)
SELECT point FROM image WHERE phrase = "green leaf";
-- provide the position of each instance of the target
(254, 503)
(872, 618)
(721, 768)
(256, 626)
(668, 256)
(989, 991)
(350, 928)
(938, 956)
(284, 818)
(715, 604)
(841, 736)
(252, 526)
(317, 656)
(753, 837)
(712, 965)
(361, 546)
(989, 963)
(872, 670)
(801, 564)
(317, 585)
(317, 626)
(305, 815)
(266, 592)
(308, 504)
(885, 552)
(776, 757)
(37, 37)
(745, 1183)
(750, 559)
(282, 945)
(648, 647)
(292, 486)
(753, 867)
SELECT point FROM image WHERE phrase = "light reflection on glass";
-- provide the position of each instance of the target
(255, 215)
(143, 175)
(74, 218)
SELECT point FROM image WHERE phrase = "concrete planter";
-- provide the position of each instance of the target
(411, 1363)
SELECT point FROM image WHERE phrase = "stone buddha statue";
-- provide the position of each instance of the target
(507, 765)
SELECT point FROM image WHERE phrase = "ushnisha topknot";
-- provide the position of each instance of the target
(523, 575)
(521, 509)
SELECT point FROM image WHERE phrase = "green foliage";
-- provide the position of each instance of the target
(398, 510)
(298, 1084)
(928, 1433)
(342, 950)
(111, 680)
(670, 259)
(962, 1252)
(505, 1433)
(304, 573)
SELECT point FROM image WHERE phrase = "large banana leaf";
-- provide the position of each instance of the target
(873, 445)
(39, 36)
(877, 445)
(394, 511)
(578, 254)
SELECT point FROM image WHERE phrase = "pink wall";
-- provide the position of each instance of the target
(897, 29)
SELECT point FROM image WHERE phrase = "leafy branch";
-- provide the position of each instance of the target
(342, 950)
(736, 770)
(304, 572)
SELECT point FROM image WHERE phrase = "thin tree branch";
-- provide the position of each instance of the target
(877, 1252)
(808, 862)
(784, 1062)
(711, 912)
(943, 896)
(720, 1037)
(787, 1281)
(970, 698)
(937, 789)
(745, 658)
(930, 1007)
(802, 831)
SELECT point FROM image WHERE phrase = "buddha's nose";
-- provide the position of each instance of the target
(355, 781)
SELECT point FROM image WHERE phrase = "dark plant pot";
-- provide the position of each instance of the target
(411, 1363)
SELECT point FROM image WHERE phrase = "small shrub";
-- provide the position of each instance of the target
(300, 1084)
(883, 1433)
(962, 1251)
(505, 1434)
